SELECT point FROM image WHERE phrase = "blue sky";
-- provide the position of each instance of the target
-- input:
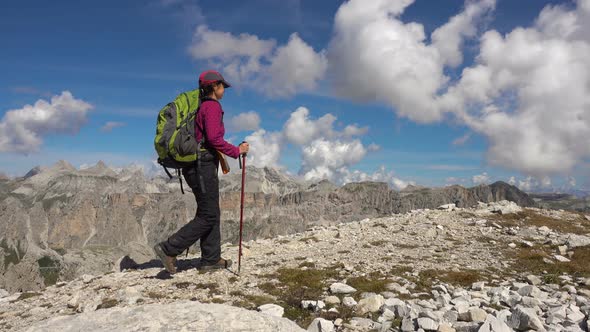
(129, 58)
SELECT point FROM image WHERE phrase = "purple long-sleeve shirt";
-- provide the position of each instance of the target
(210, 118)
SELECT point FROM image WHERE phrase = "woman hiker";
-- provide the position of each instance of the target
(204, 182)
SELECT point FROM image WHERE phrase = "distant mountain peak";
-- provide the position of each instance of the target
(63, 165)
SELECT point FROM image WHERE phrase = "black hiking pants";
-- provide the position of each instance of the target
(204, 183)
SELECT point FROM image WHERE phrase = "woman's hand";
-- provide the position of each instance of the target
(244, 147)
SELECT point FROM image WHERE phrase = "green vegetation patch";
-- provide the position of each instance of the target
(529, 217)
(295, 285)
(373, 283)
(428, 278)
(532, 260)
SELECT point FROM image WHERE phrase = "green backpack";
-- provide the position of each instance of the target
(175, 140)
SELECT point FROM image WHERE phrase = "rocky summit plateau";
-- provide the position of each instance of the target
(493, 267)
(76, 256)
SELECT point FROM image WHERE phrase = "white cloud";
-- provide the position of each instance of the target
(571, 181)
(373, 147)
(512, 180)
(324, 159)
(448, 39)
(246, 60)
(265, 149)
(22, 130)
(294, 67)
(531, 183)
(481, 178)
(454, 180)
(373, 55)
(510, 95)
(533, 84)
(462, 140)
(301, 129)
(110, 125)
(353, 130)
(247, 121)
(381, 175)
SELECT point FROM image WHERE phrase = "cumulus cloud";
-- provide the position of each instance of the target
(265, 148)
(448, 39)
(247, 121)
(325, 159)
(381, 175)
(481, 178)
(301, 129)
(373, 147)
(373, 55)
(246, 60)
(110, 125)
(527, 91)
(462, 140)
(22, 130)
(530, 91)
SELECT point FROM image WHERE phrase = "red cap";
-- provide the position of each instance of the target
(210, 77)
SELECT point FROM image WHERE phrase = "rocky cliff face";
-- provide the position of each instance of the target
(57, 223)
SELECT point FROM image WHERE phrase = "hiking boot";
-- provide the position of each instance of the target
(221, 264)
(169, 262)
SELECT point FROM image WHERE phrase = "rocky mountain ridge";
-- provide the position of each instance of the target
(60, 222)
(494, 267)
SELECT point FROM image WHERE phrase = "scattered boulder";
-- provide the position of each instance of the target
(533, 280)
(321, 325)
(575, 240)
(477, 315)
(427, 324)
(447, 207)
(371, 304)
(349, 301)
(504, 207)
(493, 324)
(562, 259)
(272, 309)
(523, 319)
(332, 300)
(313, 305)
(340, 288)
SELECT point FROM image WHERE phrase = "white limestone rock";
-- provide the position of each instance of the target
(427, 324)
(332, 300)
(575, 240)
(176, 316)
(562, 259)
(321, 325)
(371, 304)
(525, 319)
(493, 324)
(348, 301)
(272, 309)
(340, 288)
(477, 315)
(534, 280)
(313, 305)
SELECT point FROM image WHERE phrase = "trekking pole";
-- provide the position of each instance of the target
(243, 167)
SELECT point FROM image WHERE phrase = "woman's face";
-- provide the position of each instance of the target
(218, 90)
